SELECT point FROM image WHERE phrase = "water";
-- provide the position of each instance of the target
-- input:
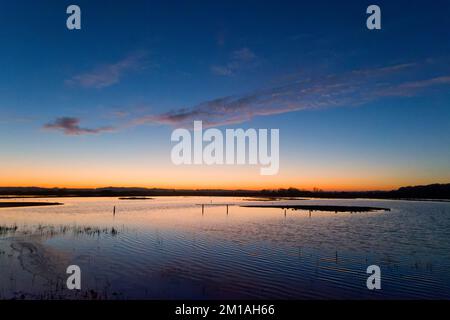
(165, 248)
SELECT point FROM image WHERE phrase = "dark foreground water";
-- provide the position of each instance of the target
(166, 248)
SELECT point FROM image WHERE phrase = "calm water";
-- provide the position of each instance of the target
(166, 248)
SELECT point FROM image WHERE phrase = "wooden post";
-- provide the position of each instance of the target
(203, 208)
(227, 209)
(114, 211)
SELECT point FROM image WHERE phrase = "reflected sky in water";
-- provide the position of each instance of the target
(165, 248)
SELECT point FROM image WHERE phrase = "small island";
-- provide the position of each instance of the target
(330, 208)
(135, 198)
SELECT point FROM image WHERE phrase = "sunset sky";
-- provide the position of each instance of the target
(356, 109)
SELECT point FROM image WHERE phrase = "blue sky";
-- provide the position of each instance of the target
(357, 109)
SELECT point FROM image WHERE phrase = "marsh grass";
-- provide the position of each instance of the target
(8, 229)
(52, 230)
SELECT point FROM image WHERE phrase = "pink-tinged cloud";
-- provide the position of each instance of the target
(410, 88)
(71, 126)
(108, 75)
(336, 90)
(352, 88)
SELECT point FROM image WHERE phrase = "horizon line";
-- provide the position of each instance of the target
(318, 190)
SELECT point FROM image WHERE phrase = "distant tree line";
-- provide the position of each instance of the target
(433, 191)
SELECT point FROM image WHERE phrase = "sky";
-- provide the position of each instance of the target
(357, 109)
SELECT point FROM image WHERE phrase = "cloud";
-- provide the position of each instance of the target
(71, 126)
(107, 75)
(410, 88)
(222, 70)
(119, 114)
(353, 88)
(336, 90)
(239, 59)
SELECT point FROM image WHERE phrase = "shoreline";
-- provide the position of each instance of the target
(38, 276)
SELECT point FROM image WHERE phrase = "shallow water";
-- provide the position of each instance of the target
(165, 248)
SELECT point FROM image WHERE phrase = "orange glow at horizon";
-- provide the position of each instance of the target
(228, 178)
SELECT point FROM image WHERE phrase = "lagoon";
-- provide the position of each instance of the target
(166, 248)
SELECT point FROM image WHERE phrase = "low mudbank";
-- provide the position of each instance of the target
(28, 204)
(329, 208)
(273, 198)
(135, 198)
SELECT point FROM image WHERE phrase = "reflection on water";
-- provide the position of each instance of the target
(167, 248)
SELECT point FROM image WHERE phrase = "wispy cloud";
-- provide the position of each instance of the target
(347, 89)
(71, 126)
(109, 74)
(243, 57)
(410, 88)
(351, 88)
